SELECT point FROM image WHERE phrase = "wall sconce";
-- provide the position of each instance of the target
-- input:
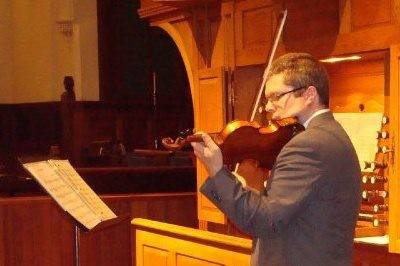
(65, 27)
(65, 17)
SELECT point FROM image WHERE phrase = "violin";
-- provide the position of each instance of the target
(241, 140)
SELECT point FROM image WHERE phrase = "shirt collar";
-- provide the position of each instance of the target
(321, 111)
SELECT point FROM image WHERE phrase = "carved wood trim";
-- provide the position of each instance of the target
(366, 40)
(162, 7)
(394, 182)
(155, 11)
(183, 3)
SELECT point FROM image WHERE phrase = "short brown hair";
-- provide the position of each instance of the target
(302, 70)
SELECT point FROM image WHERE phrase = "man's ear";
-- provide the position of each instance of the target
(311, 95)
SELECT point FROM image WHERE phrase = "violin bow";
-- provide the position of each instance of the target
(283, 16)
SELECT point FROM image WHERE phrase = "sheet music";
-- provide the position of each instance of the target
(68, 189)
(362, 128)
(71, 176)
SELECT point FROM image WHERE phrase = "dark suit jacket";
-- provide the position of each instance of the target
(307, 213)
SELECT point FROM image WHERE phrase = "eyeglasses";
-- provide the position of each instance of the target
(277, 97)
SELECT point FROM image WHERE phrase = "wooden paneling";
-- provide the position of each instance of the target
(210, 37)
(154, 256)
(211, 100)
(211, 106)
(182, 246)
(100, 121)
(370, 13)
(176, 208)
(30, 128)
(107, 246)
(177, 245)
(201, 35)
(367, 25)
(36, 231)
(357, 83)
(254, 24)
(311, 26)
(366, 40)
(182, 259)
(217, 49)
(153, 179)
(207, 211)
(113, 180)
(227, 16)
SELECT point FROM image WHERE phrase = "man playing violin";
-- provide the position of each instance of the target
(306, 214)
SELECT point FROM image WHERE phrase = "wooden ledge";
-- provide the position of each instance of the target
(193, 234)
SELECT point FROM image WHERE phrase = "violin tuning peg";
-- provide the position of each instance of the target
(185, 132)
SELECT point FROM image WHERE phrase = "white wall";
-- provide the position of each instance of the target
(35, 55)
(86, 49)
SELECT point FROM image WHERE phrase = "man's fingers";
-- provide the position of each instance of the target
(209, 154)
(198, 148)
(196, 153)
(196, 145)
(209, 142)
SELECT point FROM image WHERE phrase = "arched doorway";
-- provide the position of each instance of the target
(170, 87)
(146, 69)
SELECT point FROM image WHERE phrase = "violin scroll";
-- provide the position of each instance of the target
(180, 142)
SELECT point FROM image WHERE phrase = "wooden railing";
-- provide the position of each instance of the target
(168, 244)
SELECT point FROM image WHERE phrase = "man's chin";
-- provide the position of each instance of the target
(278, 117)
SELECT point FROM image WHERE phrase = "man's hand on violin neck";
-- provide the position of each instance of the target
(209, 154)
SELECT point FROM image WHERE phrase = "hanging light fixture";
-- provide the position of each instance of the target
(337, 59)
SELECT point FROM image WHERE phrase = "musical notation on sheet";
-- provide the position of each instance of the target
(69, 190)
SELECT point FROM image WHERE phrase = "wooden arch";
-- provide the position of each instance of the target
(177, 38)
